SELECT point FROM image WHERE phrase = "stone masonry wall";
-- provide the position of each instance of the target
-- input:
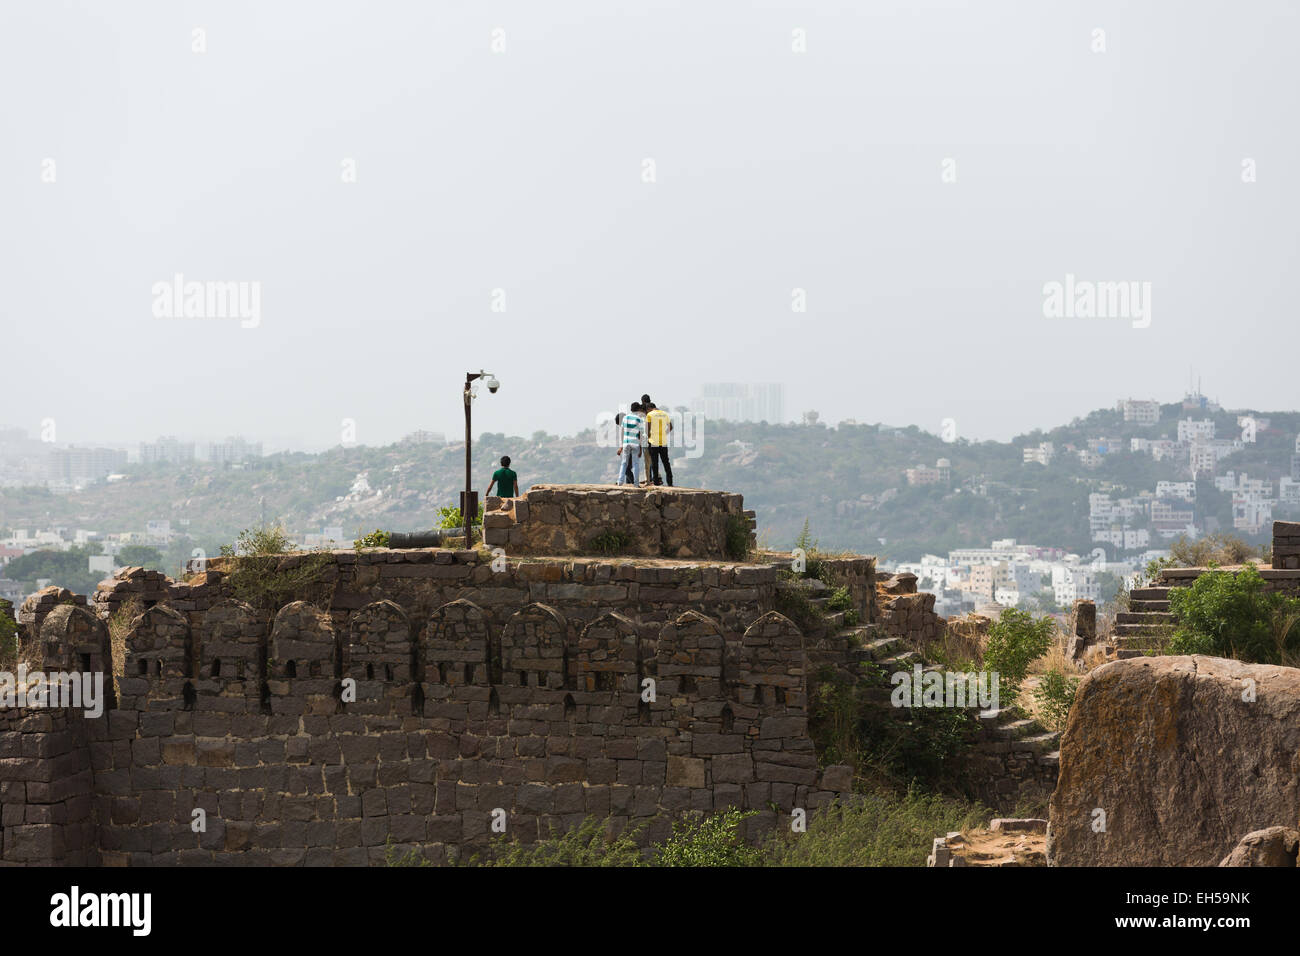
(516, 691)
(655, 522)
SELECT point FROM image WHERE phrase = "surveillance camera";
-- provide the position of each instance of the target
(493, 388)
(492, 383)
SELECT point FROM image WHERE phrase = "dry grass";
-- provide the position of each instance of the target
(119, 623)
(18, 653)
(1055, 659)
(1221, 549)
(1093, 657)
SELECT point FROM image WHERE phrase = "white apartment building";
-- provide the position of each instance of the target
(1103, 446)
(1164, 449)
(1251, 513)
(1044, 452)
(1190, 430)
(1170, 514)
(1074, 584)
(1202, 459)
(1185, 490)
(1139, 411)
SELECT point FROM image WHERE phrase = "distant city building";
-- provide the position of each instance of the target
(167, 448)
(1185, 490)
(1251, 512)
(1139, 411)
(741, 402)
(233, 449)
(1202, 459)
(1170, 515)
(421, 437)
(1042, 453)
(940, 474)
(1190, 430)
(73, 467)
(1194, 401)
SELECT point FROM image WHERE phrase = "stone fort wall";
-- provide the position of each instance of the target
(517, 691)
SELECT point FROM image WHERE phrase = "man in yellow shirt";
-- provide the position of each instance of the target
(658, 424)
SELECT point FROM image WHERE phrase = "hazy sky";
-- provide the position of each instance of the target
(524, 171)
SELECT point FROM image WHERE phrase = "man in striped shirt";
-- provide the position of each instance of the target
(629, 468)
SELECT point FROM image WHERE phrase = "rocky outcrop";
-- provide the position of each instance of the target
(1167, 761)
(1275, 846)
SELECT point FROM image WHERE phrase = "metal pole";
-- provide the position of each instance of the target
(468, 477)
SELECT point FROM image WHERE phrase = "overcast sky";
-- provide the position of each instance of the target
(525, 171)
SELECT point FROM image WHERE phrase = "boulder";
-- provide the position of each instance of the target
(1275, 846)
(1166, 761)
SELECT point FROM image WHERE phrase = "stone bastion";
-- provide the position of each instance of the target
(410, 698)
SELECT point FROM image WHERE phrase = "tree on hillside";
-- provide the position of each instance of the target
(140, 555)
(66, 569)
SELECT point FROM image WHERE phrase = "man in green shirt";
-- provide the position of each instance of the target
(507, 481)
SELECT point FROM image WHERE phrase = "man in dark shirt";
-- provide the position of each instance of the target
(507, 481)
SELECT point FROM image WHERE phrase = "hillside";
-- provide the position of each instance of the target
(848, 482)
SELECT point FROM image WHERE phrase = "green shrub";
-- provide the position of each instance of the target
(412, 857)
(737, 543)
(1055, 696)
(10, 648)
(259, 542)
(609, 542)
(262, 574)
(1231, 615)
(451, 518)
(712, 841)
(375, 539)
(840, 600)
(813, 567)
(1015, 641)
(793, 601)
(587, 844)
(852, 722)
(879, 829)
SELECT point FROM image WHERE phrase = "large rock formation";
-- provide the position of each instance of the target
(1274, 846)
(1168, 761)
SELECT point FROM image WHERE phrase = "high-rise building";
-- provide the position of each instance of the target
(741, 402)
(233, 449)
(80, 466)
(166, 448)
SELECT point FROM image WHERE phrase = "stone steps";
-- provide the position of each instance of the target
(883, 647)
(1015, 729)
(1141, 642)
(1144, 617)
(1144, 630)
(1040, 743)
(903, 661)
(1149, 594)
(1139, 606)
